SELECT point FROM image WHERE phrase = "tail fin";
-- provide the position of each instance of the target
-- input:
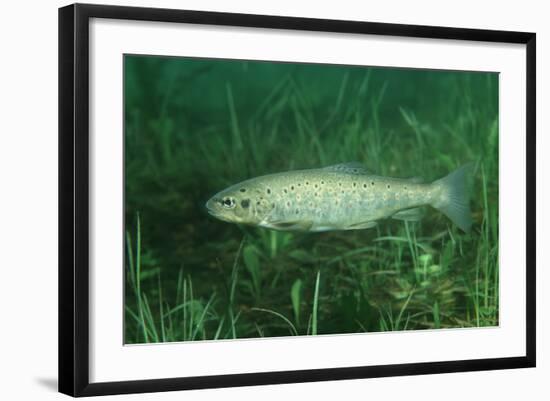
(454, 202)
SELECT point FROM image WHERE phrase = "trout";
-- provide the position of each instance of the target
(340, 197)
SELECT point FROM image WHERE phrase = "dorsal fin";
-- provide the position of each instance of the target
(415, 180)
(349, 168)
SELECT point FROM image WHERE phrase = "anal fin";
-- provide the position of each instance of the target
(413, 214)
(362, 225)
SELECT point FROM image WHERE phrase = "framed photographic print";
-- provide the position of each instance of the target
(251, 199)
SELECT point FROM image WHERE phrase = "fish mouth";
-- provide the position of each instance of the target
(220, 216)
(209, 206)
(212, 210)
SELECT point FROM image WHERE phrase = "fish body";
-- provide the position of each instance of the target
(340, 197)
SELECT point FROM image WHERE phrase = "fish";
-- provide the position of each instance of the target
(344, 196)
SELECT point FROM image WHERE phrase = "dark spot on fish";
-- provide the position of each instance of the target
(272, 206)
(285, 190)
(372, 183)
(288, 204)
(292, 187)
(405, 188)
(245, 202)
(355, 170)
(316, 185)
(322, 183)
(297, 211)
(307, 182)
(243, 190)
(258, 202)
(364, 185)
(354, 184)
(299, 184)
(388, 186)
(268, 191)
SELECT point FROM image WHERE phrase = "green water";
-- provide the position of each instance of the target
(195, 126)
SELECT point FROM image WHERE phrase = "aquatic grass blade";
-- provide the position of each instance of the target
(314, 321)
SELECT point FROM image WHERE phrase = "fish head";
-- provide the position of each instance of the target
(235, 205)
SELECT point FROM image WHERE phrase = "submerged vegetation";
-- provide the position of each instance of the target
(194, 127)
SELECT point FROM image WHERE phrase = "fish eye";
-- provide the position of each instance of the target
(228, 202)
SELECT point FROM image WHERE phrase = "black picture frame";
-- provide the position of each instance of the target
(74, 198)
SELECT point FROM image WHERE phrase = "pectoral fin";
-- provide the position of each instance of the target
(413, 214)
(289, 225)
